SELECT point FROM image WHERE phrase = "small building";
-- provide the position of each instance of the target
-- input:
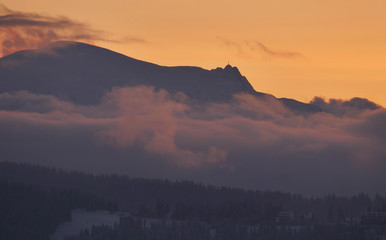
(374, 225)
(373, 218)
(294, 220)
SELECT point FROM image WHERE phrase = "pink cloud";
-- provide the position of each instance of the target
(251, 141)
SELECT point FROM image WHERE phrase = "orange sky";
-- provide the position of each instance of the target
(290, 48)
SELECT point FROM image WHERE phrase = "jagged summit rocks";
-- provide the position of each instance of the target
(229, 68)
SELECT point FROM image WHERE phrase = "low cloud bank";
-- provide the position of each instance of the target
(251, 142)
(339, 107)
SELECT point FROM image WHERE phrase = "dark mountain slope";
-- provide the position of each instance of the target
(83, 73)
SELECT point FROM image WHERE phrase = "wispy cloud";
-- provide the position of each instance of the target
(249, 49)
(24, 30)
(133, 39)
(240, 49)
(268, 52)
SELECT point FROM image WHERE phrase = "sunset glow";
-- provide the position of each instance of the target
(339, 47)
(182, 119)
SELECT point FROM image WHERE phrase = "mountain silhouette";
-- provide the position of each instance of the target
(83, 73)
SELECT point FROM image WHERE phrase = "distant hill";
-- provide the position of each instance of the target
(83, 73)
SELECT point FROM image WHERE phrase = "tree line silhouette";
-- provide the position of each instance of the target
(132, 228)
(34, 212)
(42, 197)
